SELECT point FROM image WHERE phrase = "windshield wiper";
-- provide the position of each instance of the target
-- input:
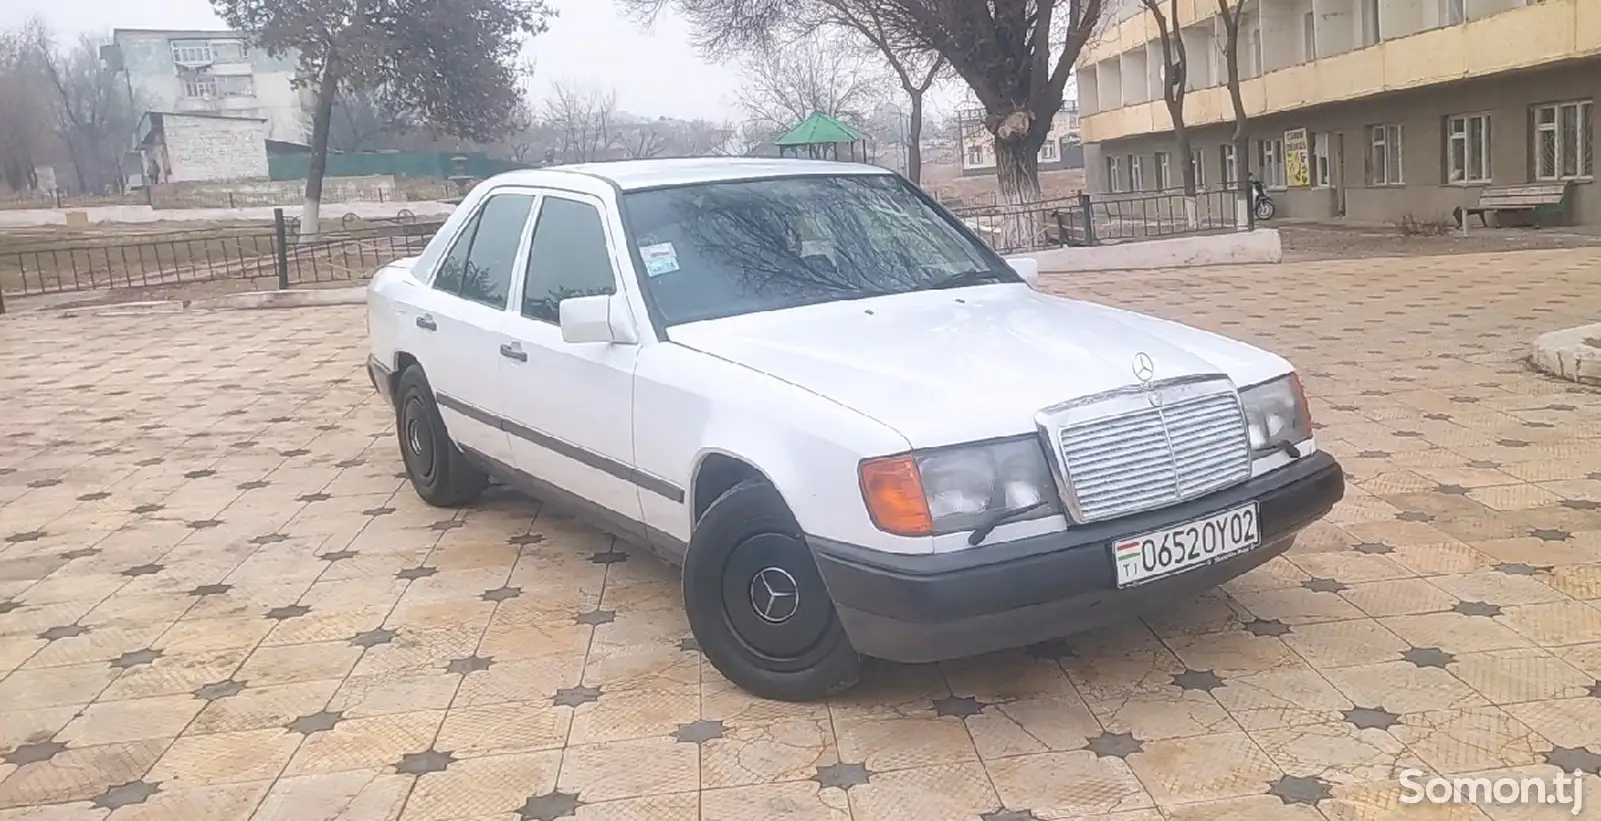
(984, 529)
(959, 280)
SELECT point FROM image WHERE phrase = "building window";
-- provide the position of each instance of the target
(1048, 151)
(1453, 12)
(1309, 35)
(1384, 155)
(228, 51)
(1114, 174)
(1164, 171)
(1270, 161)
(1370, 22)
(236, 86)
(1230, 168)
(192, 52)
(200, 88)
(1198, 165)
(1136, 173)
(1564, 144)
(1258, 56)
(1320, 160)
(1467, 148)
(975, 155)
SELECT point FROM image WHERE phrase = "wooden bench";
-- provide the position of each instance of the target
(1540, 201)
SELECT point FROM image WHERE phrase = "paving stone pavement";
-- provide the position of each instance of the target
(220, 601)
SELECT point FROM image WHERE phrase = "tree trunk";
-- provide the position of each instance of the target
(321, 125)
(1242, 125)
(914, 140)
(1017, 167)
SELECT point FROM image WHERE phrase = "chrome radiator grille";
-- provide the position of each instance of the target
(1146, 448)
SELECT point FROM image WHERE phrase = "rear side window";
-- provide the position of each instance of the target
(479, 266)
(569, 258)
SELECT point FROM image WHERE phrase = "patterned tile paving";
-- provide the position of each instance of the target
(219, 601)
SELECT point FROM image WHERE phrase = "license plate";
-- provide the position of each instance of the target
(1140, 559)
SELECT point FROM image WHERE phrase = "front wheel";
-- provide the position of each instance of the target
(1265, 208)
(758, 606)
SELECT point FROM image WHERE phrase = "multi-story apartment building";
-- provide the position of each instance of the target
(1368, 109)
(214, 72)
(1061, 148)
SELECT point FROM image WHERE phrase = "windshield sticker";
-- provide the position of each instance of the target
(661, 258)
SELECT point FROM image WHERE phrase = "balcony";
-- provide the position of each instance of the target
(1512, 39)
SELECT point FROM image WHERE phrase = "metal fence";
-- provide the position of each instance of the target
(1103, 219)
(348, 250)
(164, 197)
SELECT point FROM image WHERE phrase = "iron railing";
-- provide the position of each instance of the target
(163, 197)
(1102, 219)
(347, 250)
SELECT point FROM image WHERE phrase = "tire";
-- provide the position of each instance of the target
(796, 652)
(438, 470)
(1265, 209)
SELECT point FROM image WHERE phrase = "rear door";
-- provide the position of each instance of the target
(462, 322)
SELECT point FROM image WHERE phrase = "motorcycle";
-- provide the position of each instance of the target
(1261, 203)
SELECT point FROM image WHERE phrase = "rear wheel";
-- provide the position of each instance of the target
(757, 604)
(439, 472)
(1265, 209)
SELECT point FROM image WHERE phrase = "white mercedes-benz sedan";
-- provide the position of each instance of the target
(857, 428)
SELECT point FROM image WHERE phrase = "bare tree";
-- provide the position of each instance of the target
(1175, 81)
(821, 72)
(362, 120)
(645, 140)
(1232, 11)
(581, 117)
(92, 114)
(1016, 56)
(915, 67)
(25, 137)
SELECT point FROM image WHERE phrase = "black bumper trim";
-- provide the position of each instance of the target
(382, 378)
(1076, 563)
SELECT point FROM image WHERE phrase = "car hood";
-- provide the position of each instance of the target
(959, 365)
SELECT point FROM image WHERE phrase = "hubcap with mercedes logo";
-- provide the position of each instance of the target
(774, 594)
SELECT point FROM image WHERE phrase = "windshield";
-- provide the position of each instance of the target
(721, 249)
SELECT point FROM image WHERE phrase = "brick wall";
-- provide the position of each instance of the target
(215, 149)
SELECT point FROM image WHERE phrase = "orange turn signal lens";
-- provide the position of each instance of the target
(1300, 397)
(892, 487)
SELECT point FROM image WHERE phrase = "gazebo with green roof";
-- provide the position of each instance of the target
(819, 137)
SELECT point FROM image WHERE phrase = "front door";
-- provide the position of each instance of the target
(569, 407)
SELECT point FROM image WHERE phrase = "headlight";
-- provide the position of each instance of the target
(950, 490)
(1276, 414)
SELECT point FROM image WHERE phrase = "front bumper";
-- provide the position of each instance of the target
(382, 379)
(930, 607)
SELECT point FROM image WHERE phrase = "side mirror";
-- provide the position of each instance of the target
(1026, 267)
(595, 319)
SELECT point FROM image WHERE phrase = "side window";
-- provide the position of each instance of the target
(568, 258)
(486, 277)
(448, 277)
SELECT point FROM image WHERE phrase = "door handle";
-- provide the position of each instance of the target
(427, 323)
(514, 351)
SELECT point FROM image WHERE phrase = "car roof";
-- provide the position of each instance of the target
(633, 175)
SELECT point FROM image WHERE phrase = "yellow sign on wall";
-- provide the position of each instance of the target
(1297, 167)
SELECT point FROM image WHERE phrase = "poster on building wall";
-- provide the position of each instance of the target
(1297, 167)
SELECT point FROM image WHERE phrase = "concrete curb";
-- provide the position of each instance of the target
(250, 300)
(1573, 354)
(1262, 246)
